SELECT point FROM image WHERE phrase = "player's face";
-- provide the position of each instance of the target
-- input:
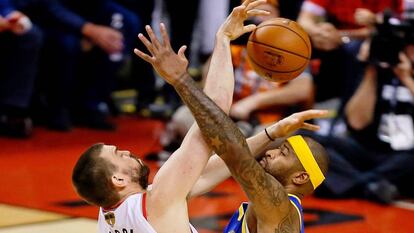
(123, 159)
(280, 162)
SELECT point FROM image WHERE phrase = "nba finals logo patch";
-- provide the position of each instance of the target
(273, 59)
(110, 218)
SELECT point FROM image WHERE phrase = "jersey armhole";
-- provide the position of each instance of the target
(144, 205)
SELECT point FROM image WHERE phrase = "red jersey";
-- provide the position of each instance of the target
(341, 13)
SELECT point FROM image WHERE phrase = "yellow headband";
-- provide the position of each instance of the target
(307, 160)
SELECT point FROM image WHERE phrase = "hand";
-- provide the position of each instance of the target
(242, 109)
(4, 24)
(296, 121)
(18, 23)
(108, 39)
(169, 65)
(327, 37)
(233, 27)
(364, 17)
(404, 68)
(363, 54)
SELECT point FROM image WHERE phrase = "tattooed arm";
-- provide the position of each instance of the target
(216, 170)
(218, 130)
(228, 142)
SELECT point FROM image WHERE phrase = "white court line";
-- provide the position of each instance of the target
(78, 225)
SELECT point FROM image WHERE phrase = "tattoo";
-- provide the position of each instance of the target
(228, 142)
(286, 225)
(215, 125)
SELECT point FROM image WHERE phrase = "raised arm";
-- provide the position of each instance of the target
(190, 159)
(218, 129)
(229, 143)
(216, 170)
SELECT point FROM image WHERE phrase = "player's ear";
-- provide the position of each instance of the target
(300, 178)
(119, 181)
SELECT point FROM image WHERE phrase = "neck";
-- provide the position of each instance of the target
(294, 191)
(124, 194)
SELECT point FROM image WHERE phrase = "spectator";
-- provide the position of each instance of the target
(20, 42)
(376, 160)
(85, 43)
(337, 29)
(181, 19)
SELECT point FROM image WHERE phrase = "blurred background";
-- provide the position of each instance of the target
(69, 79)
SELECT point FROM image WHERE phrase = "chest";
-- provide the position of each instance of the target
(288, 223)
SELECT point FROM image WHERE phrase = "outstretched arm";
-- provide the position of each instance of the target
(216, 170)
(190, 159)
(223, 135)
(229, 143)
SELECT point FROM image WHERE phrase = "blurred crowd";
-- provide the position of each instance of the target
(62, 60)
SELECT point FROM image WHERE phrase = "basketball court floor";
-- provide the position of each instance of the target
(36, 195)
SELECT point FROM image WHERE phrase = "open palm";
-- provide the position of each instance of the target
(233, 27)
(296, 121)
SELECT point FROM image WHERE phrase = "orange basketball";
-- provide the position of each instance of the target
(279, 49)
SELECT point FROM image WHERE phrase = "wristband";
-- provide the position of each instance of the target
(267, 134)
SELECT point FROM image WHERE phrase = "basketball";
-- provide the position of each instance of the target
(279, 49)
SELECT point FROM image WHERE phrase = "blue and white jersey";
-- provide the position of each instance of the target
(237, 223)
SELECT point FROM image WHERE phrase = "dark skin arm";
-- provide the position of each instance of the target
(228, 142)
(268, 195)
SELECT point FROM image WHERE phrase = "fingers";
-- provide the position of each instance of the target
(403, 57)
(249, 28)
(115, 40)
(246, 3)
(253, 4)
(313, 113)
(146, 42)
(152, 37)
(144, 56)
(164, 34)
(181, 52)
(111, 47)
(257, 12)
(311, 127)
(116, 35)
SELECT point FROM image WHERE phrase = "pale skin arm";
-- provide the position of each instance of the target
(360, 108)
(189, 160)
(266, 193)
(404, 72)
(296, 91)
(216, 170)
(309, 22)
(219, 132)
(324, 35)
(263, 190)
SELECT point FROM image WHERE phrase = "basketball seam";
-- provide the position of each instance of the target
(306, 44)
(284, 50)
(276, 71)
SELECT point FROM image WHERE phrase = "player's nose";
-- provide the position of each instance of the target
(270, 153)
(124, 152)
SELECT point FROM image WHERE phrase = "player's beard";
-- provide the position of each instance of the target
(141, 175)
